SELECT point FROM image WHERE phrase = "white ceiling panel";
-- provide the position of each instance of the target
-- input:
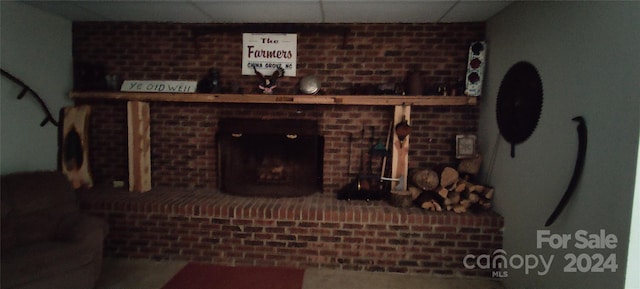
(385, 11)
(69, 10)
(262, 11)
(465, 11)
(163, 11)
(274, 11)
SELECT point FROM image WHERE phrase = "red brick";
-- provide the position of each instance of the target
(444, 63)
(380, 238)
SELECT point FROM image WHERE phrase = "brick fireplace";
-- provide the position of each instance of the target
(184, 147)
(184, 152)
(270, 158)
(311, 231)
(186, 217)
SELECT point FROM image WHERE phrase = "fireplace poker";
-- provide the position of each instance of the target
(372, 140)
(349, 156)
(346, 192)
(367, 181)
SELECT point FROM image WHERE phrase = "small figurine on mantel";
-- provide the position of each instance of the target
(210, 83)
(414, 82)
(269, 83)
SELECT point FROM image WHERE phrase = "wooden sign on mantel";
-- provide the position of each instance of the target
(169, 86)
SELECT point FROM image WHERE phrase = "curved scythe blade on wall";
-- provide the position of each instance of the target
(577, 170)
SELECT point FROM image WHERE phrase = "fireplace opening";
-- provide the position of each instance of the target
(270, 158)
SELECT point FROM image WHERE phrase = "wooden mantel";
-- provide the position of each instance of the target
(138, 119)
(385, 100)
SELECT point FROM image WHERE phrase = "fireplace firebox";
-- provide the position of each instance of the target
(269, 158)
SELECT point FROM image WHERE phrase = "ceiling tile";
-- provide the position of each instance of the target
(274, 11)
(468, 11)
(385, 11)
(262, 11)
(68, 10)
(163, 11)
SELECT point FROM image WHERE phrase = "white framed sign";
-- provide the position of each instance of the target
(465, 146)
(169, 86)
(268, 51)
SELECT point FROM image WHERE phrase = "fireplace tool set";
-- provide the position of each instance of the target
(368, 185)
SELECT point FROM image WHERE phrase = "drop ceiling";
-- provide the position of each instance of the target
(276, 11)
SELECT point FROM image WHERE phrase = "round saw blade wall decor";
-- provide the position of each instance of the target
(519, 103)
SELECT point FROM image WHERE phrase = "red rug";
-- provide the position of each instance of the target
(208, 276)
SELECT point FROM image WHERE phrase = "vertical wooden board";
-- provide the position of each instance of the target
(400, 152)
(139, 146)
(74, 145)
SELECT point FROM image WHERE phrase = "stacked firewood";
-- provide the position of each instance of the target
(445, 188)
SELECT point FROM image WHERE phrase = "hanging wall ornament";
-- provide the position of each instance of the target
(519, 103)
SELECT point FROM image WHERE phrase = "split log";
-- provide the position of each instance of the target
(466, 196)
(426, 196)
(473, 197)
(486, 205)
(462, 206)
(459, 209)
(488, 193)
(448, 177)
(429, 200)
(452, 200)
(470, 166)
(442, 192)
(450, 190)
(415, 192)
(432, 206)
(400, 198)
(425, 179)
(461, 186)
(476, 188)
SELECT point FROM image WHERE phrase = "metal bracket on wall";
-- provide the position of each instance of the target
(26, 89)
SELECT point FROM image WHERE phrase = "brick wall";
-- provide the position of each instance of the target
(369, 54)
(183, 134)
(184, 149)
(307, 232)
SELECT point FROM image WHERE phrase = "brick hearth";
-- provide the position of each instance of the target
(313, 231)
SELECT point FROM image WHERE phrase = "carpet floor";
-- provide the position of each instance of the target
(118, 273)
(200, 276)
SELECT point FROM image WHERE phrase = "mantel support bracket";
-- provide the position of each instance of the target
(138, 116)
(400, 151)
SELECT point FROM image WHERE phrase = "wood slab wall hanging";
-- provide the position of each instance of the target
(519, 103)
(74, 148)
